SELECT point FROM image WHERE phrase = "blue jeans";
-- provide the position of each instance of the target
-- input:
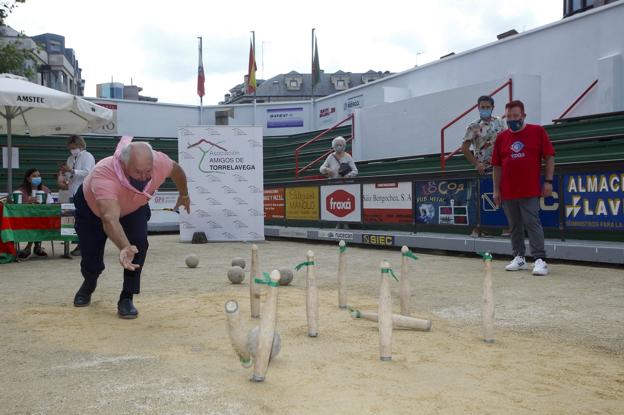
(93, 239)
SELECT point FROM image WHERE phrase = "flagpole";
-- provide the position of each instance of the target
(201, 98)
(253, 43)
(312, 84)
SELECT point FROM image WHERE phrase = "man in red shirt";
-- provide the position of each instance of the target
(517, 161)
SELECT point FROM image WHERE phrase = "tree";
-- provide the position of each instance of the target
(14, 57)
(6, 7)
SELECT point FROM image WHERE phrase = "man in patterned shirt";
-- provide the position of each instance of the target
(481, 135)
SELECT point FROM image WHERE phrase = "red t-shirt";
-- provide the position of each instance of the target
(520, 156)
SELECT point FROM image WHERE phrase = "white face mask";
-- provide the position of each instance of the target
(339, 148)
(74, 151)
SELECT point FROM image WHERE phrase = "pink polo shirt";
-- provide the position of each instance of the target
(107, 183)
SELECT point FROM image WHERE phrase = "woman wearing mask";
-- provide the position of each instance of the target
(79, 164)
(339, 164)
(32, 183)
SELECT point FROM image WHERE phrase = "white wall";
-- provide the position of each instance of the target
(561, 59)
(412, 126)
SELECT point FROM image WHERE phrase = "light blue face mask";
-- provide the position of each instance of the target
(485, 113)
(36, 181)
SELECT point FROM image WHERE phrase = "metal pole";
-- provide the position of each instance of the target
(9, 153)
(201, 99)
(312, 84)
(253, 45)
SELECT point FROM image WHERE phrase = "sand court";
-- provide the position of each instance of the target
(559, 340)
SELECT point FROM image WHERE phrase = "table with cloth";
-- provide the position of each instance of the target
(29, 222)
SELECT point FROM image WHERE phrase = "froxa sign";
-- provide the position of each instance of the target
(341, 203)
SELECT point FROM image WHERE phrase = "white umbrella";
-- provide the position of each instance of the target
(26, 107)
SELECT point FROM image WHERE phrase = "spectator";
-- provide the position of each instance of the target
(517, 161)
(31, 184)
(339, 164)
(79, 164)
(481, 136)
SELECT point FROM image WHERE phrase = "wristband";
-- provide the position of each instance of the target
(184, 197)
(548, 181)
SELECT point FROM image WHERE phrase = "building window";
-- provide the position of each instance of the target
(571, 7)
(293, 83)
(55, 46)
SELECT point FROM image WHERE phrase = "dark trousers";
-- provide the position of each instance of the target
(524, 214)
(93, 239)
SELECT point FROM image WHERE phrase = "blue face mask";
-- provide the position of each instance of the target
(485, 113)
(36, 181)
(515, 125)
(138, 184)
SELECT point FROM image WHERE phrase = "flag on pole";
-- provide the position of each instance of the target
(251, 73)
(200, 73)
(316, 67)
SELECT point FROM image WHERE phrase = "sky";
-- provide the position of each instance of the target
(154, 43)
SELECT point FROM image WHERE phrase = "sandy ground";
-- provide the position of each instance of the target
(559, 340)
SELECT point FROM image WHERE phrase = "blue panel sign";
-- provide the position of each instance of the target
(594, 200)
(446, 202)
(493, 216)
(284, 117)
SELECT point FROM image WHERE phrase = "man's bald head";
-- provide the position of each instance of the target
(138, 160)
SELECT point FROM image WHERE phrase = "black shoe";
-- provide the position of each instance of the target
(76, 251)
(83, 296)
(126, 309)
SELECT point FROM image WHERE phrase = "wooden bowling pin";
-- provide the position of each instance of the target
(342, 275)
(312, 302)
(237, 335)
(405, 291)
(254, 289)
(385, 314)
(487, 303)
(267, 329)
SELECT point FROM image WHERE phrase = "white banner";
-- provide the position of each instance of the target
(223, 165)
(341, 203)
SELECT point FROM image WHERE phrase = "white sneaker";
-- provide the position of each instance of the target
(516, 264)
(540, 268)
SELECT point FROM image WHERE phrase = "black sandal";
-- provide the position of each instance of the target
(24, 253)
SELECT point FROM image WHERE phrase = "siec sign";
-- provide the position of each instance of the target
(340, 203)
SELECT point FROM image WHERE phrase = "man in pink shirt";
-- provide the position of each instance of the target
(112, 203)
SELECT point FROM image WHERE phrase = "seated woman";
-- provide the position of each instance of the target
(339, 164)
(32, 183)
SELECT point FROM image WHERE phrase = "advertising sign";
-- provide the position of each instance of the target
(337, 235)
(494, 216)
(111, 126)
(274, 204)
(68, 219)
(327, 115)
(285, 117)
(351, 103)
(302, 203)
(223, 165)
(594, 200)
(388, 202)
(378, 240)
(445, 202)
(341, 203)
